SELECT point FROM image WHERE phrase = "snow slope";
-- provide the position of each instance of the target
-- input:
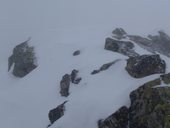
(57, 29)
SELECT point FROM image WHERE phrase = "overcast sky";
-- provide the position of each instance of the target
(20, 19)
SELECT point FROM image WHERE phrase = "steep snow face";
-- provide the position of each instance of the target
(57, 29)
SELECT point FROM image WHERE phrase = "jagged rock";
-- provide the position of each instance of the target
(150, 106)
(23, 58)
(65, 85)
(154, 43)
(119, 33)
(117, 120)
(145, 65)
(76, 53)
(104, 67)
(74, 77)
(123, 47)
(166, 78)
(143, 42)
(56, 113)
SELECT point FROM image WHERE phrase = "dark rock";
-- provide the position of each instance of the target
(74, 77)
(108, 65)
(154, 43)
(145, 65)
(117, 120)
(166, 78)
(143, 42)
(77, 80)
(105, 67)
(119, 33)
(123, 47)
(150, 106)
(56, 113)
(76, 53)
(23, 58)
(95, 72)
(65, 85)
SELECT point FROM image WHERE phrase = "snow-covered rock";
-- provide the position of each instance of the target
(145, 65)
(123, 47)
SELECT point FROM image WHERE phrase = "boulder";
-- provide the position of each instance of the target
(145, 65)
(23, 59)
(123, 47)
(74, 77)
(56, 113)
(65, 85)
(119, 33)
(150, 106)
(76, 53)
(117, 120)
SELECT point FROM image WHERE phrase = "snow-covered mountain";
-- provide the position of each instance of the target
(58, 28)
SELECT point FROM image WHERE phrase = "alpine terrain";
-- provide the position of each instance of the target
(84, 64)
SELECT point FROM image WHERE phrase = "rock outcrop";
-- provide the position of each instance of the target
(119, 33)
(56, 113)
(145, 65)
(104, 67)
(65, 85)
(23, 58)
(123, 47)
(150, 108)
(117, 120)
(154, 43)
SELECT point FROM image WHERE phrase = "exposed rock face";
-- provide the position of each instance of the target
(56, 113)
(119, 33)
(150, 106)
(143, 42)
(117, 120)
(157, 43)
(74, 77)
(123, 47)
(65, 85)
(105, 67)
(23, 58)
(166, 78)
(145, 65)
(76, 53)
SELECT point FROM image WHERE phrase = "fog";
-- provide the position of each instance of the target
(20, 19)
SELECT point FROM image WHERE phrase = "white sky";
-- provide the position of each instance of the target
(20, 19)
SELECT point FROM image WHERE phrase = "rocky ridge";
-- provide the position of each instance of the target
(150, 104)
